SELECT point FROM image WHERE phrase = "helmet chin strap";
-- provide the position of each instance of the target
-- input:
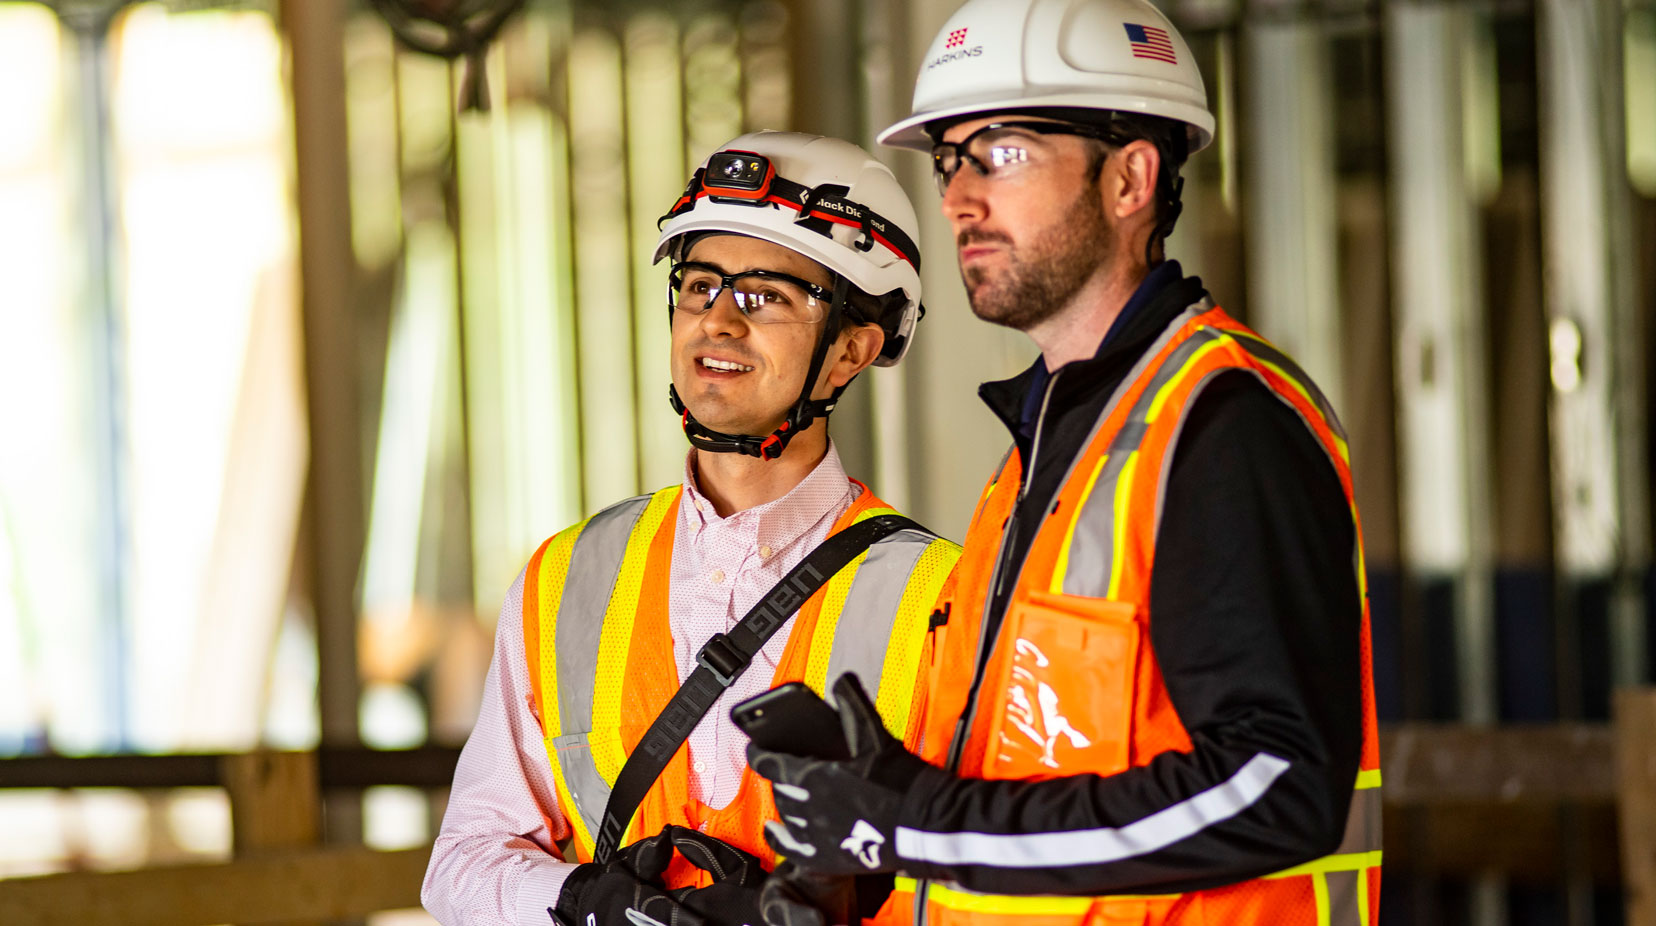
(805, 410)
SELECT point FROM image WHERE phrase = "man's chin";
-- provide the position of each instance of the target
(994, 311)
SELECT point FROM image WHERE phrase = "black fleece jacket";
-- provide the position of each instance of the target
(1254, 623)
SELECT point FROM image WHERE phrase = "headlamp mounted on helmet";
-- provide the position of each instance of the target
(746, 178)
(738, 176)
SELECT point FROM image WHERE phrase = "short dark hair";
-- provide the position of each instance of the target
(864, 309)
(1172, 142)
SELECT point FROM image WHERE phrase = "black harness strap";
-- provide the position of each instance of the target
(722, 660)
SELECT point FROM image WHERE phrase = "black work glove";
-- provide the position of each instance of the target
(621, 889)
(793, 896)
(628, 889)
(733, 899)
(840, 817)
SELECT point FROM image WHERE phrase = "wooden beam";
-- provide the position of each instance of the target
(350, 768)
(314, 30)
(1635, 713)
(1528, 844)
(1425, 764)
(275, 802)
(1422, 764)
(323, 884)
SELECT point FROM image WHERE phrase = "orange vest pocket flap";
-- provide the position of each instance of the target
(1063, 701)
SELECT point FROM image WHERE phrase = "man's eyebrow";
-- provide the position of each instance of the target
(723, 272)
(708, 265)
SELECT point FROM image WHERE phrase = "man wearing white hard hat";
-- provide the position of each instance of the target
(605, 782)
(1155, 705)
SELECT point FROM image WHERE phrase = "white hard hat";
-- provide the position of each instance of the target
(1000, 55)
(825, 198)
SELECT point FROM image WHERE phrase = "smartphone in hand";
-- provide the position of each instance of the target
(791, 718)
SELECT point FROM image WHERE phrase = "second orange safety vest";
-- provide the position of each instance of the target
(1076, 636)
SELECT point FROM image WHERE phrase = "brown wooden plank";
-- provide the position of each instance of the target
(1528, 844)
(339, 768)
(1636, 766)
(275, 803)
(1426, 764)
(180, 771)
(319, 884)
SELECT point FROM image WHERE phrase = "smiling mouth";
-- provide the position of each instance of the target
(724, 366)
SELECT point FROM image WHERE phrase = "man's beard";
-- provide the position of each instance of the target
(1043, 276)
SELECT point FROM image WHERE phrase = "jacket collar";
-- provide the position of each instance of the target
(1159, 299)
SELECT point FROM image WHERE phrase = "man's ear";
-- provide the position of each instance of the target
(856, 348)
(1133, 177)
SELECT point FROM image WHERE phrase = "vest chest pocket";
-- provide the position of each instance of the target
(1063, 696)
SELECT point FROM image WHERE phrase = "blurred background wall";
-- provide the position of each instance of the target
(298, 362)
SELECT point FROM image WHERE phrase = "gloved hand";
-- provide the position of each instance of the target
(733, 899)
(628, 890)
(621, 889)
(795, 897)
(840, 817)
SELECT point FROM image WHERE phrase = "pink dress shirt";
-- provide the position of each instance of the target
(494, 861)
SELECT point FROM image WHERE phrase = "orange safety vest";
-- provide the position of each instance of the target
(601, 660)
(1082, 599)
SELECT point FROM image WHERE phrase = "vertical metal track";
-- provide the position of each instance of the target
(106, 342)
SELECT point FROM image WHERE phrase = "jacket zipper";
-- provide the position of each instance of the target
(997, 579)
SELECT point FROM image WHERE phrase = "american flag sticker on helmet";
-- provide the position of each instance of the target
(1150, 42)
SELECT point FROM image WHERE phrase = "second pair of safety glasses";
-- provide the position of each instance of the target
(1003, 149)
(766, 297)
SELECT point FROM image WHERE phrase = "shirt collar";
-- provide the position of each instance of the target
(780, 522)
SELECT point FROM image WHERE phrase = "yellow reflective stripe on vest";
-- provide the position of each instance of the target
(590, 578)
(958, 898)
(833, 603)
(1351, 861)
(827, 625)
(1267, 355)
(554, 568)
(908, 635)
(1118, 549)
(611, 679)
(1061, 565)
(1098, 523)
(955, 898)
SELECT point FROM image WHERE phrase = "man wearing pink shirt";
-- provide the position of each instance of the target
(794, 269)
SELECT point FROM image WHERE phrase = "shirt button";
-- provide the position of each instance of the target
(717, 576)
(765, 552)
(700, 766)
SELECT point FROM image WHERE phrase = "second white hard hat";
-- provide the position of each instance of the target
(1000, 55)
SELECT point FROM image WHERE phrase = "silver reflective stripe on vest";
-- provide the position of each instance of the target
(593, 565)
(1092, 550)
(1362, 832)
(1343, 901)
(871, 608)
(1265, 352)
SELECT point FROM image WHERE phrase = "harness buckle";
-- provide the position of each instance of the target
(718, 656)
